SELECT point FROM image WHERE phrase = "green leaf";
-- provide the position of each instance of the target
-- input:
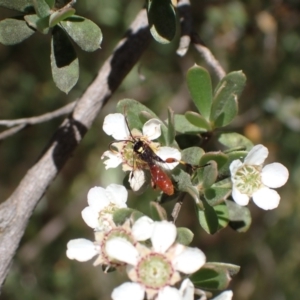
(64, 61)
(235, 140)
(198, 120)
(61, 15)
(184, 184)
(222, 214)
(218, 192)
(192, 155)
(162, 20)
(225, 105)
(19, 5)
(42, 8)
(239, 216)
(171, 127)
(199, 84)
(214, 276)
(85, 33)
(184, 236)
(209, 174)
(208, 218)
(230, 110)
(40, 24)
(13, 31)
(219, 157)
(158, 213)
(184, 126)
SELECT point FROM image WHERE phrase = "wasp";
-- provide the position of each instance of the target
(159, 178)
(150, 160)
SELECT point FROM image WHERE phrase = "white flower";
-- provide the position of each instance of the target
(251, 179)
(102, 203)
(156, 270)
(116, 126)
(81, 249)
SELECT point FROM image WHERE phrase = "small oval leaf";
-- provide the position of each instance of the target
(198, 120)
(239, 216)
(219, 157)
(42, 8)
(225, 105)
(85, 33)
(19, 5)
(234, 140)
(199, 84)
(208, 218)
(184, 126)
(162, 20)
(64, 61)
(184, 236)
(218, 192)
(192, 155)
(13, 31)
(214, 276)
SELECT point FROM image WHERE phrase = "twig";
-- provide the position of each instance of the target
(177, 207)
(6, 133)
(186, 27)
(188, 37)
(39, 119)
(208, 56)
(17, 209)
(20, 124)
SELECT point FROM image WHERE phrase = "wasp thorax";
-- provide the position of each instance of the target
(138, 147)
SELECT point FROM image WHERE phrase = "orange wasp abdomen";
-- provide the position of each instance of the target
(161, 179)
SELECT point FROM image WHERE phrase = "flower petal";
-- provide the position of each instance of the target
(257, 155)
(168, 293)
(239, 198)
(115, 125)
(187, 289)
(97, 199)
(122, 250)
(113, 161)
(266, 198)
(128, 290)
(151, 129)
(168, 152)
(163, 236)
(142, 228)
(137, 178)
(234, 166)
(90, 217)
(189, 261)
(274, 175)
(81, 250)
(117, 194)
(227, 295)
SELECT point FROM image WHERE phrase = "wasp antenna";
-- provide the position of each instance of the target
(129, 128)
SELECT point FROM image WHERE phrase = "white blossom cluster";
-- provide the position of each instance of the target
(157, 266)
(155, 263)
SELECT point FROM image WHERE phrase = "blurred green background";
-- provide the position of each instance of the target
(262, 38)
